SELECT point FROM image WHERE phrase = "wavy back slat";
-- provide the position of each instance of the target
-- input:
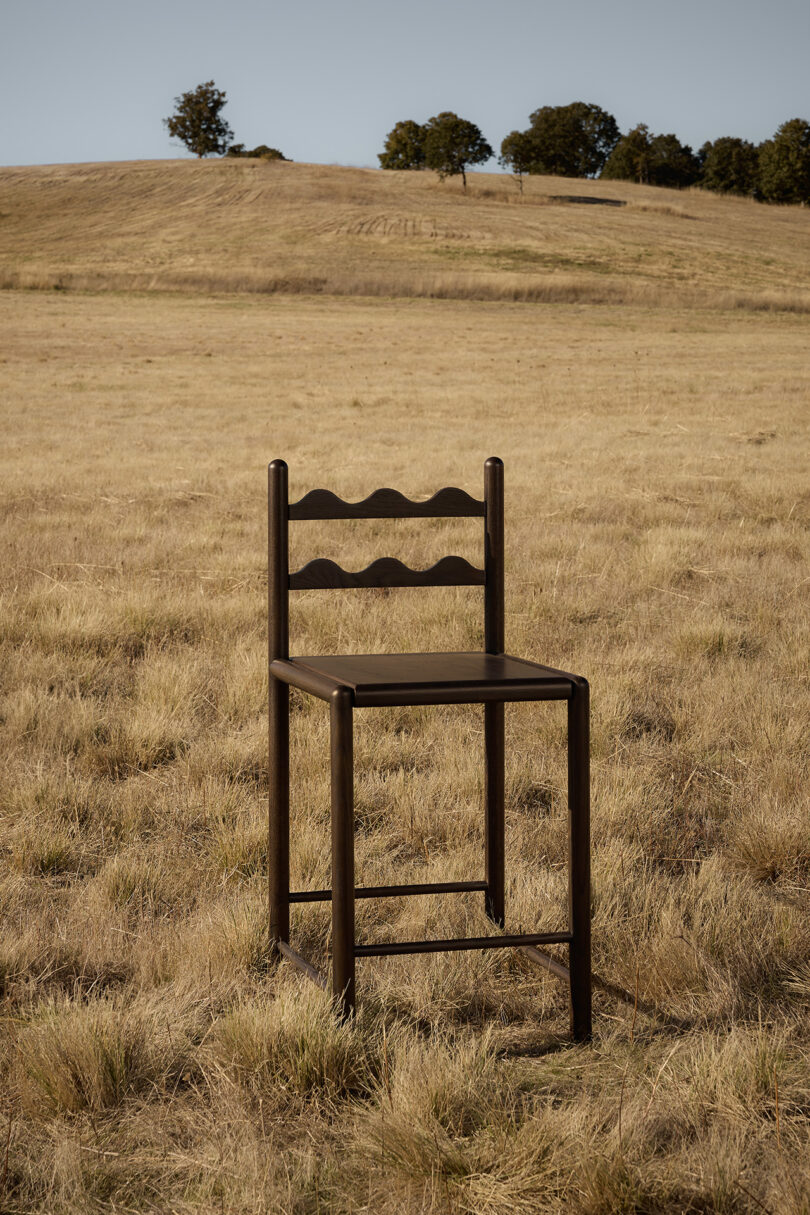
(323, 574)
(449, 503)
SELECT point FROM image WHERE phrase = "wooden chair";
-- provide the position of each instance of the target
(356, 681)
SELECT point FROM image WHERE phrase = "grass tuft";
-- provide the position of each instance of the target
(294, 1044)
(88, 1057)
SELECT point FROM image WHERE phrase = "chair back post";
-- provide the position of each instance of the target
(278, 587)
(278, 577)
(494, 557)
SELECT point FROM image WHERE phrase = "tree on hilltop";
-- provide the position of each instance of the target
(262, 152)
(196, 121)
(655, 160)
(672, 163)
(452, 144)
(729, 166)
(404, 147)
(517, 154)
(784, 164)
(571, 140)
(630, 159)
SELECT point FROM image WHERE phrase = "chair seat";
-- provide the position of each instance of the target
(417, 679)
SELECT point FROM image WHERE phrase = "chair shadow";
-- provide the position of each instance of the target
(551, 1044)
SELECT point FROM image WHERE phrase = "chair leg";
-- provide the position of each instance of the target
(495, 843)
(579, 860)
(343, 961)
(279, 812)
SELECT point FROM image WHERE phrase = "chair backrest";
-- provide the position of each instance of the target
(447, 503)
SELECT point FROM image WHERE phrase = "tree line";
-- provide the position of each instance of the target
(576, 140)
(583, 140)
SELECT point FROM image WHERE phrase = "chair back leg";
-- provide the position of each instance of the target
(495, 847)
(343, 943)
(579, 864)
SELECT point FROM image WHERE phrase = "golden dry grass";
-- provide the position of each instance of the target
(658, 535)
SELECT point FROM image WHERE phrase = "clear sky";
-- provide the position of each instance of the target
(325, 81)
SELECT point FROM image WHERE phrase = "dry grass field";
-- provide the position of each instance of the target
(643, 371)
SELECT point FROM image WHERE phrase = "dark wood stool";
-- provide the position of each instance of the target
(353, 681)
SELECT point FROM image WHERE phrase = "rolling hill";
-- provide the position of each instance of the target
(281, 227)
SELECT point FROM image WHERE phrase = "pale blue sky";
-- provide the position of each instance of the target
(324, 81)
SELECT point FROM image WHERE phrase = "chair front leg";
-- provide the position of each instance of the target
(579, 858)
(278, 867)
(495, 846)
(342, 756)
